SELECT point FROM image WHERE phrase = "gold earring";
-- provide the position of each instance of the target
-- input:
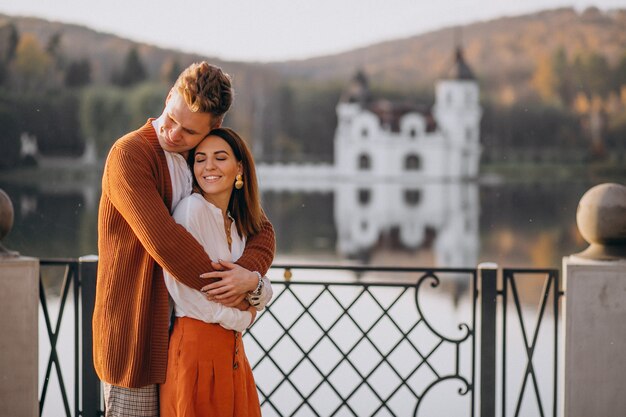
(238, 182)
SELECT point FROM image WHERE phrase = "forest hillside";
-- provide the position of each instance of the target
(505, 53)
(550, 81)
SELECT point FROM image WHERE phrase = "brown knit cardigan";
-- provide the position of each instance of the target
(136, 238)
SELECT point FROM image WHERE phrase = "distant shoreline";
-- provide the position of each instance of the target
(546, 172)
(489, 173)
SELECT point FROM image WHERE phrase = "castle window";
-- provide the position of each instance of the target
(364, 162)
(412, 197)
(413, 132)
(364, 196)
(364, 132)
(469, 134)
(412, 163)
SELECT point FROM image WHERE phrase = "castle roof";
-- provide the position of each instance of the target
(460, 70)
(390, 113)
(358, 90)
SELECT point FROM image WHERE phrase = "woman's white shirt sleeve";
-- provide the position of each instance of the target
(205, 222)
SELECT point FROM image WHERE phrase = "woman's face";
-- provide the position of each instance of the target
(215, 168)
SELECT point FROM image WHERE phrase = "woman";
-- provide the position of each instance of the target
(208, 373)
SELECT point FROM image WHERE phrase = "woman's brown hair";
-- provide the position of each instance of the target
(245, 203)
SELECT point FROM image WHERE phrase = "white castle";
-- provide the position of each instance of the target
(390, 140)
(380, 139)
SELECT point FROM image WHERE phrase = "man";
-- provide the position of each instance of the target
(144, 178)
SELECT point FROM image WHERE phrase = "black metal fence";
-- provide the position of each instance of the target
(360, 341)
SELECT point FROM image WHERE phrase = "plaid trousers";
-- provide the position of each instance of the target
(131, 402)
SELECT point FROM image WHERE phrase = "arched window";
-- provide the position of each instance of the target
(412, 163)
(412, 197)
(364, 132)
(413, 132)
(365, 196)
(364, 162)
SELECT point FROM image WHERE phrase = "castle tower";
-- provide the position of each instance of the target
(458, 112)
(356, 129)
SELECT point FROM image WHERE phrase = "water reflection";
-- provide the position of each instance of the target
(53, 221)
(442, 224)
(436, 218)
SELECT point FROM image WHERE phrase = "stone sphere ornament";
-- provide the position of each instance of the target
(6, 222)
(601, 220)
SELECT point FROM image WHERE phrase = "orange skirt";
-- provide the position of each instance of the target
(208, 373)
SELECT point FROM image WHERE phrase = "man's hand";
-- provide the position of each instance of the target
(243, 306)
(252, 311)
(234, 283)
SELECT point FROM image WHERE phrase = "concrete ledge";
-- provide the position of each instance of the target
(594, 319)
(19, 313)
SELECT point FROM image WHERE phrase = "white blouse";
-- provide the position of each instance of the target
(206, 223)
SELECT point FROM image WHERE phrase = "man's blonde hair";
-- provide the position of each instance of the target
(206, 89)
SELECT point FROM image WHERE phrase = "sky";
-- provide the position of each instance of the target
(277, 30)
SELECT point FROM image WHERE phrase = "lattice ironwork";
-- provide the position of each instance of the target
(359, 348)
(67, 271)
(546, 298)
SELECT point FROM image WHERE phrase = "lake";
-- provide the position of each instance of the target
(442, 224)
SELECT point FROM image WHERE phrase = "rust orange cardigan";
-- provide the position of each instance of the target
(136, 238)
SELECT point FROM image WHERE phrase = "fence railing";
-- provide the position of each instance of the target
(363, 343)
(547, 298)
(341, 340)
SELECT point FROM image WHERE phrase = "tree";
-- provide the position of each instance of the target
(545, 81)
(8, 45)
(133, 70)
(55, 52)
(562, 72)
(9, 136)
(591, 74)
(31, 64)
(53, 47)
(619, 74)
(104, 116)
(78, 73)
(146, 100)
(170, 71)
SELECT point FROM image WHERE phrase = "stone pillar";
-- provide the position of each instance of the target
(19, 311)
(595, 308)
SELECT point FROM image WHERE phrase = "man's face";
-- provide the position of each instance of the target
(183, 129)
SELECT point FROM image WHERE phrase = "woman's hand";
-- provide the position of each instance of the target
(234, 283)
